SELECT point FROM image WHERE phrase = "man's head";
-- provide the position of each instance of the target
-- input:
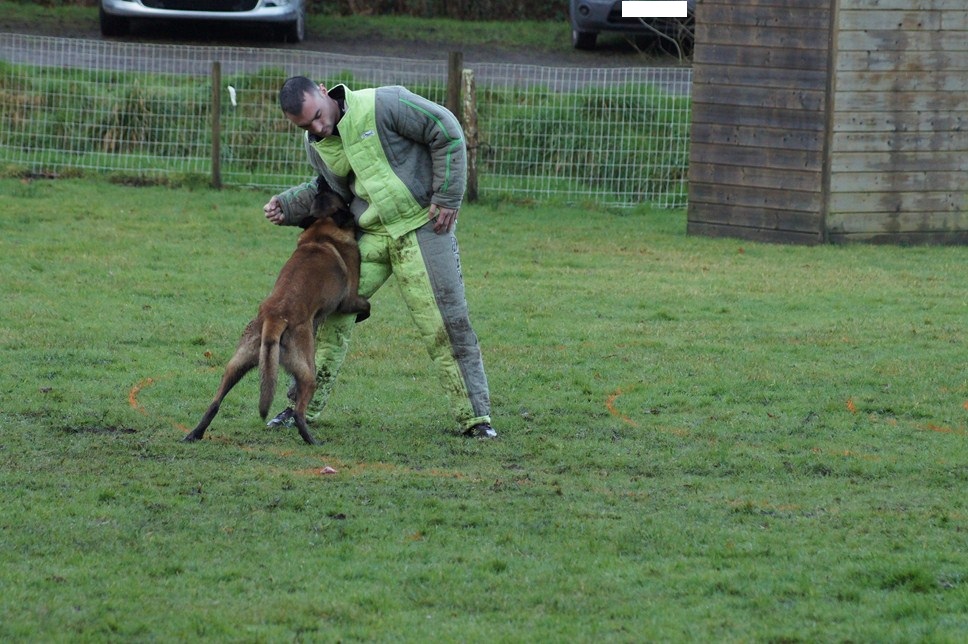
(309, 106)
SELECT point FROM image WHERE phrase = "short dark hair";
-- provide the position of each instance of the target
(293, 94)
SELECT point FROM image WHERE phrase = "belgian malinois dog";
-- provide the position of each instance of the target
(321, 277)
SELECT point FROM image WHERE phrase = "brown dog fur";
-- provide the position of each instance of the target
(321, 277)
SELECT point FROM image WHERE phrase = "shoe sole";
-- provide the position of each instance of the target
(483, 437)
(288, 421)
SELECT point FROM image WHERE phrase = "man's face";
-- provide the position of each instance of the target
(319, 114)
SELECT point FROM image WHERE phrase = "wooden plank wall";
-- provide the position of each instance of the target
(899, 145)
(760, 84)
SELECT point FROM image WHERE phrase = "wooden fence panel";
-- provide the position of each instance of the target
(899, 143)
(759, 100)
(830, 120)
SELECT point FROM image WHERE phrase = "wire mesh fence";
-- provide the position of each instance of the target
(611, 136)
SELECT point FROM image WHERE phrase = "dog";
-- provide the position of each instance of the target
(321, 277)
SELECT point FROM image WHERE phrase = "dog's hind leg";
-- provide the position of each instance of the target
(245, 359)
(304, 430)
(269, 352)
(300, 362)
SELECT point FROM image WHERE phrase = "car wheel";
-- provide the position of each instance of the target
(583, 39)
(295, 31)
(113, 25)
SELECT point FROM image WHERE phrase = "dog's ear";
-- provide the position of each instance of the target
(306, 222)
(325, 204)
(343, 218)
(322, 185)
(327, 201)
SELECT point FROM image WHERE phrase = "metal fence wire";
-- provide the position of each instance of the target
(615, 137)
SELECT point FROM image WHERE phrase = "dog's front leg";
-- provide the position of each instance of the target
(354, 302)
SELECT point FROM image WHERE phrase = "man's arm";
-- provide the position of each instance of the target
(436, 127)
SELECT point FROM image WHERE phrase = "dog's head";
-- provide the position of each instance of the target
(328, 204)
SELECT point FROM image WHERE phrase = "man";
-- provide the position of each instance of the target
(400, 161)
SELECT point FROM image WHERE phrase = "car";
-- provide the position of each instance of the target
(287, 16)
(591, 17)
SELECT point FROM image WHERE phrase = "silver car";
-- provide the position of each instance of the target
(590, 17)
(287, 16)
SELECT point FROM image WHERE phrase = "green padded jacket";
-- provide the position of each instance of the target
(395, 154)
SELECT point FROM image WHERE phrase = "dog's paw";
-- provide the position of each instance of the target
(362, 309)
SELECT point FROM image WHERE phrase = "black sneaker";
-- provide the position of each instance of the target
(285, 418)
(481, 431)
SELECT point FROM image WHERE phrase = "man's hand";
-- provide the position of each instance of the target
(443, 218)
(273, 211)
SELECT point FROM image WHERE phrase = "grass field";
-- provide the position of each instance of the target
(701, 440)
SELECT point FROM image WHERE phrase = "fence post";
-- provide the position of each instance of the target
(469, 120)
(216, 125)
(455, 64)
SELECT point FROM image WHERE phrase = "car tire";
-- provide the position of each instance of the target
(113, 25)
(583, 39)
(295, 31)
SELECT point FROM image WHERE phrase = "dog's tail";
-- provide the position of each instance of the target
(272, 330)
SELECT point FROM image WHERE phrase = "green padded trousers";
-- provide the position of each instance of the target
(428, 274)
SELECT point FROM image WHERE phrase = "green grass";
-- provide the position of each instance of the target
(52, 18)
(541, 35)
(702, 440)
